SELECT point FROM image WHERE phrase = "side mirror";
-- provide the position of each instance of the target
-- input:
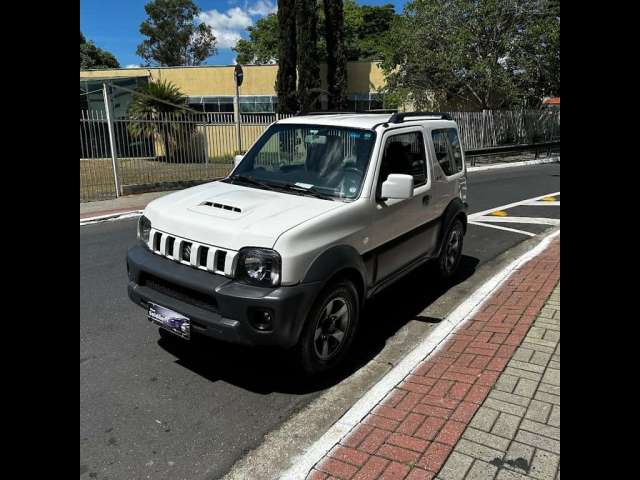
(237, 160)
(397, 185)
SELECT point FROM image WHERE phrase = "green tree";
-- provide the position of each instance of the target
(94, 57)
(364, 30)
(174, 37)
(307, 49)
(287, 53)
(486, 54)
(262, 45)
(151, 108)
(336, 58)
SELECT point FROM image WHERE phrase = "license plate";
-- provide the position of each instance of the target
(172, 321)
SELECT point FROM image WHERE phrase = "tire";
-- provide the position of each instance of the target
(451, 253)
(317, 351)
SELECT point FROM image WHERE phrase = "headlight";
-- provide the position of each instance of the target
(144, 229)
(258, 266)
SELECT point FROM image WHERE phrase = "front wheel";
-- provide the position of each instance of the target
(330, 328)
(451, 250)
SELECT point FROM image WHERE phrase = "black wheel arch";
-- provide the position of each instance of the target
(454, 211)
(340, 261)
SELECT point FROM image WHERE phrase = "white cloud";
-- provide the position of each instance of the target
(132, 65)
(263, 8)
(230, 26)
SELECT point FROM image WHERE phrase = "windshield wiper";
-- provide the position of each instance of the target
(313, 191)
(251, 181)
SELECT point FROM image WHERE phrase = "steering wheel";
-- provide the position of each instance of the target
(351, 180)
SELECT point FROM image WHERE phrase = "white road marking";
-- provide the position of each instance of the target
(474, 216)
(541, 203)
(533, 220)
(502, 228)
(303, 464)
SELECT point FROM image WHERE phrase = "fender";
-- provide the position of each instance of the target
(333, 261)
(454, 210)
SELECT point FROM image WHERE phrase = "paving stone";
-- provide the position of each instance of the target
(546, 312)
(526, 387)
(540, 343)
(546, 388)
(540, 358)
(504, 406)
(484, 419)
(547, 397)
(476, 450)
(554, 418)
(456, 466)
(540, 428)
(509, 475)
(538, 441)
(552, 336)
(506, 425)
(552, 376)
(548, 325)
(481, 471)
(519, 457)
(555, 365)
(537, 347)
(529, 367)
(535, 332)
(506, 383)
(516, 372)
(538, 411)
(523, 354)
(486, 439)
(510, 397)
(544, 465)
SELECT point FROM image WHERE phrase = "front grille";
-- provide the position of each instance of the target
(196, 255)
(184, 294)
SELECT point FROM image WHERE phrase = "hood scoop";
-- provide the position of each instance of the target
(222, 206)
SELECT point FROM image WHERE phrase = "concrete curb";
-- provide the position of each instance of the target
(514, 164)
(110, 217)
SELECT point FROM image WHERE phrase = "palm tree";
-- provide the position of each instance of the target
(151, 111)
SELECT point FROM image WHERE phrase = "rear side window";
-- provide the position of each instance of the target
(448, 152)
(405, 154)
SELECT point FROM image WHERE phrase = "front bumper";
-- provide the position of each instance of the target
(217, 306)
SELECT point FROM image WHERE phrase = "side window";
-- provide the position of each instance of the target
(454, 142)
(404, 153)
(448, 152)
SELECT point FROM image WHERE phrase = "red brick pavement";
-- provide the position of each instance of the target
(410, 434)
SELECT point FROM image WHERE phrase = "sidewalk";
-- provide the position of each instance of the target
(486, 405)
(121, 205)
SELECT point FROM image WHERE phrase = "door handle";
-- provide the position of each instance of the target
(425, 200)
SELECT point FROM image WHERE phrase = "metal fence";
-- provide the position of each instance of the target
(169, 148)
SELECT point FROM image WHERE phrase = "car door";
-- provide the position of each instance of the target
(449, 170)
(402, 229)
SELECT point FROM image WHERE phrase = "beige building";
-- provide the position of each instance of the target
(211, 88)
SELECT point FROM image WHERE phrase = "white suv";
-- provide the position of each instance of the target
(322, 212)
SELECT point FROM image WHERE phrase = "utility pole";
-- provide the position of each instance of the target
(112, 138)
(238, 76)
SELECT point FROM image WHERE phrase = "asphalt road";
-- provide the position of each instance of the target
(152, 409)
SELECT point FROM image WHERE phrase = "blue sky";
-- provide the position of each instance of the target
(114, 24)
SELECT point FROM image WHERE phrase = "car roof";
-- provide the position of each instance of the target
(362, 120)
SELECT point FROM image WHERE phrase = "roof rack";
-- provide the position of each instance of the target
(400, 116)
(327, 112)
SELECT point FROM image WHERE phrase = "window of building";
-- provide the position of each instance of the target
(404, 153)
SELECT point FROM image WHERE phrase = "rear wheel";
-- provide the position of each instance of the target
(451, 250)
(330, 328)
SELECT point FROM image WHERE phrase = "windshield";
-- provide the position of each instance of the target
(324, 161)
